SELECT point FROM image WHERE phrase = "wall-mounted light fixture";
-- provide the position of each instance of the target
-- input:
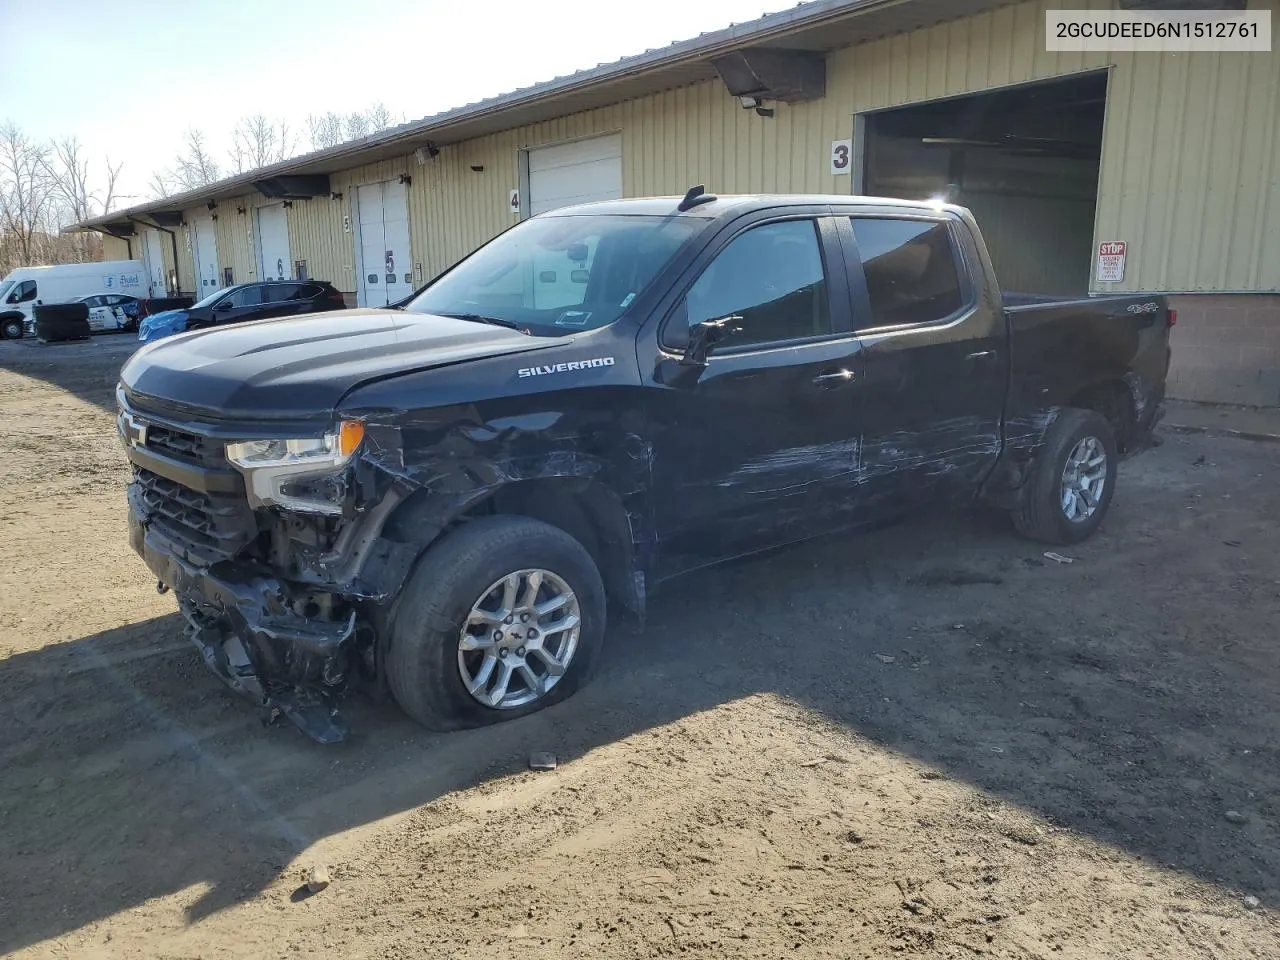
(287, 203)
(241, 210)
(336, 196)
(755, 103)
(429, 151)
(406, 179)
(212, 204)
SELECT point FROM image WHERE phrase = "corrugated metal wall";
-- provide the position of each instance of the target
(1190, 172)
(1191, 155)
(115, 248)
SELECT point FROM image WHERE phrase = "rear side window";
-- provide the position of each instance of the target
(911, 271)
(280, 292)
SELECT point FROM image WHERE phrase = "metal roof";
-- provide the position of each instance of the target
(820, 25)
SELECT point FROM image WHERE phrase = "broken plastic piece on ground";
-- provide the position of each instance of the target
(885, 658)
(1057, 557)
(542, 761)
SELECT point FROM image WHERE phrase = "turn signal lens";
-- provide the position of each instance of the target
(350, 433)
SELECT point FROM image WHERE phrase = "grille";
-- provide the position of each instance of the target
(211, 528)
(188, 447)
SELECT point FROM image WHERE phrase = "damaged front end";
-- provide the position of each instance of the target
(223, 523)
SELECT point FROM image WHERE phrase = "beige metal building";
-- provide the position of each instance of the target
(1175, 155)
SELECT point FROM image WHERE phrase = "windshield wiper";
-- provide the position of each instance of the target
(492, 321)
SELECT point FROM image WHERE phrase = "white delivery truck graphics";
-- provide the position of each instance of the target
(27, 287)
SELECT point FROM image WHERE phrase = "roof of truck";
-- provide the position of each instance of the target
(721, 205)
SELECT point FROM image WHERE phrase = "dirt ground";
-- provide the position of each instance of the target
(930, 741)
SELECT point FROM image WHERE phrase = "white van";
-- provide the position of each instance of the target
(25, 287)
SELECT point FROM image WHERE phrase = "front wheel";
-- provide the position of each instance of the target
(1072, 481)
(11, 328)
(502, 617)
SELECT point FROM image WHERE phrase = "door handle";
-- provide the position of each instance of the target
(834, 379)
(982, 355)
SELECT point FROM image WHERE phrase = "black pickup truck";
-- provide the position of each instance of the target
(444, 499)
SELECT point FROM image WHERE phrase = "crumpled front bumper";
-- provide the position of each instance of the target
(250, 637)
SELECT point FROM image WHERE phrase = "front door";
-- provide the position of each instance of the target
(934, 355)
(760, 447)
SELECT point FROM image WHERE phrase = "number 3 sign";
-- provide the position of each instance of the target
(841, 156)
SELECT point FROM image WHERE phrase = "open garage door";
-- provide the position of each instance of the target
(204, 249)
(1024, 159)
(272, 238)
(579, 172)
(153, 252)
(386, 270)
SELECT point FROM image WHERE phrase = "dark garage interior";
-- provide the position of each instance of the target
(1024, 159)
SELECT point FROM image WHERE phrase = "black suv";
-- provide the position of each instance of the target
(245, 301)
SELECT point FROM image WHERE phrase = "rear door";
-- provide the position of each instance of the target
(935, 369)
(760, 447)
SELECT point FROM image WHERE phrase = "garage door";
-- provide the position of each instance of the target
(578, 172)
(386, 273)
(204, 246)
(153, 249)
(273, 243)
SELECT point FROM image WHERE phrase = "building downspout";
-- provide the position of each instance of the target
(173, 241)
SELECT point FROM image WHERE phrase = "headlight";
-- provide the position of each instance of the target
(298, 473)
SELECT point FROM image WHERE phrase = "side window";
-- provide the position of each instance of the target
(911, 273)
(24, 292)
(92, 302)
(280, 292)
(245, 297)
(772, 277)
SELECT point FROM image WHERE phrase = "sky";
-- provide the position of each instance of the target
(129, 77)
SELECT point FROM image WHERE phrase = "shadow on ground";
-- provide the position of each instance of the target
(87, 369)
(1130, 696)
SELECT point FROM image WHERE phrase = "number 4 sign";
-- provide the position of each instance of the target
(841, 156)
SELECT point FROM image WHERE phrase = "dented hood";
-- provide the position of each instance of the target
(300, 367)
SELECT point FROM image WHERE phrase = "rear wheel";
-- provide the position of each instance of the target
(1072, 481)
(11, 328)
(504, 616)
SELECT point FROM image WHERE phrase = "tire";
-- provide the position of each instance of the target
(11, 328)
(424, 662)
(1043, 514)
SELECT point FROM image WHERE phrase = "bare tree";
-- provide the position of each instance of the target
(330, 129)
(159, 185)
(259, 141)
(195, 166)
(25, 196)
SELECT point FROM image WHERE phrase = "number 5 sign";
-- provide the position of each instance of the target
(841, 156)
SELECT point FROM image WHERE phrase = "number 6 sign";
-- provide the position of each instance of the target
(841, 156)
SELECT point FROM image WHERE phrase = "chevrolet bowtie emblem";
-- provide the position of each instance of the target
(133, 433)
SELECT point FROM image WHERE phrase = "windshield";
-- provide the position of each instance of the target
(5, 287)
(555, 275)
(208, 301)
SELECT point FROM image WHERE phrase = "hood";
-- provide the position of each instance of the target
(300, 367)
(162, 324)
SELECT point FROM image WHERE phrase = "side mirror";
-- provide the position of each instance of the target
(705, 336)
